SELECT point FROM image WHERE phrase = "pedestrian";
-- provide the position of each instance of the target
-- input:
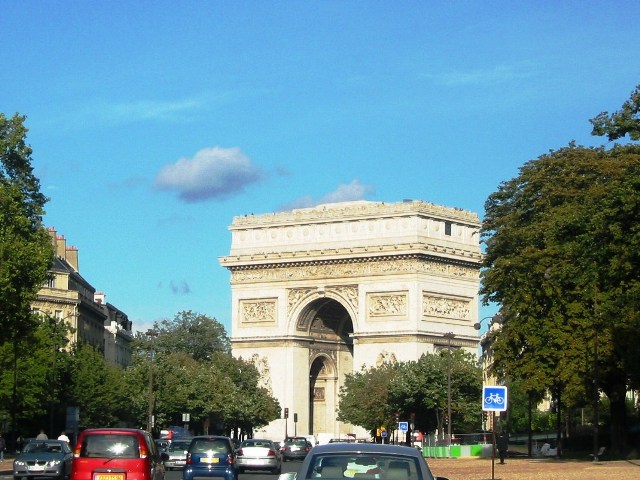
(63, 437)
(3, 445)
(42, 436)
(19, 444)
(503, 446)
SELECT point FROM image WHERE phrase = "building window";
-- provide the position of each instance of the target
(447, 228)
(51, 282)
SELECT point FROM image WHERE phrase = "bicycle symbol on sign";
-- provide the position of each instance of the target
(494, 398)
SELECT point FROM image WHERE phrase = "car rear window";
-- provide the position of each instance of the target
(209, 445)
(110, 446)
(364, 467)
(178, 446)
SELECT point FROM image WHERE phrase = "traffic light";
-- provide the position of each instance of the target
(286, 412)
(446, 419)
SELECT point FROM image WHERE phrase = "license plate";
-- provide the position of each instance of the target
(37, 468)
(108, 476)
(210, 460)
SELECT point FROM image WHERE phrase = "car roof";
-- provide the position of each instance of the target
(112, 430)
(367, 448)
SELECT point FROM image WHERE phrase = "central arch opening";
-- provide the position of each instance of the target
(330, 330)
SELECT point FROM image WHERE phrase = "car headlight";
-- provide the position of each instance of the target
(55, 462)
(19, 463)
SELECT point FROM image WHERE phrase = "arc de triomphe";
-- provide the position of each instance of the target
(320, 292)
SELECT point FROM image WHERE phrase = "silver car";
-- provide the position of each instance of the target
(256, 454)
(362, 461)
(177, 451)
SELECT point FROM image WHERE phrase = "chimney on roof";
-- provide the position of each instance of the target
(71, 255)
(61, 246)
(99, 297)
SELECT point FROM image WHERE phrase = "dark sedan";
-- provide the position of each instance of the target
(43, 458)
(295, 449)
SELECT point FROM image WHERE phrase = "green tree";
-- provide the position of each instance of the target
(619, 124)
(26, 251)
(193, 333)
(39, 375)
(97, 388)
(562, 259)
(422, 387)
(189, 362)
(364, 397)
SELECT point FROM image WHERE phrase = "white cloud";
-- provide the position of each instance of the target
(343, 193)
(212, 173)
(491, 76)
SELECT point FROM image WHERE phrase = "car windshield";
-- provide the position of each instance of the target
(110, 446)
(361, 466)
(41, 447)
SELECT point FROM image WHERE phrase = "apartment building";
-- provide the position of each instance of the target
(69, 297)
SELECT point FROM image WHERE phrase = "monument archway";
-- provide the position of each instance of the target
(318, 293)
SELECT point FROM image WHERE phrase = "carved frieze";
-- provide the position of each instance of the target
(258, 310)
(295, 295)
(445, 307)
(390, 304)
(384, 266)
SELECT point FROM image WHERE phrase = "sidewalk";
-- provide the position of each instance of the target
(6, 466)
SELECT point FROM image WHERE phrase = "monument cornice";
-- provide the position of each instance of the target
(355, 211)
(349, 268)
(354, 255)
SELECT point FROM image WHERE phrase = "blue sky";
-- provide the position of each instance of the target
(153, 123)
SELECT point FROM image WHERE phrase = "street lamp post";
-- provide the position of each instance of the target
(449, 336)
(151, 333)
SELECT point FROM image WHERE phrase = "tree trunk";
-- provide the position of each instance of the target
(618, 410)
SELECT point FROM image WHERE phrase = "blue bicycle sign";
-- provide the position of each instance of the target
(494, 398)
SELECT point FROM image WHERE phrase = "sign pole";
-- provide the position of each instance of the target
(493, 445)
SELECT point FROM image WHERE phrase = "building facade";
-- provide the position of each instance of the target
(321, 292)
(70, 298)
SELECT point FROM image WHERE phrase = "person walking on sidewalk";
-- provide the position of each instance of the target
(3, 446)
(503, 446)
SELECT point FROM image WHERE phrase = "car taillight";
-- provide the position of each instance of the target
(143, 451)
(76, 451)
(240, 453)
(230, 459)
(271, 453)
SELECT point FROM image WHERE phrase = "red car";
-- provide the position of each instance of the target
(117, 454)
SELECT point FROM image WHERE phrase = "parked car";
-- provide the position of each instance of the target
(43, 458)
(256, 454)
(210, 456)
(366, 461)
(177, 452)
(295, 449)
(117, 454)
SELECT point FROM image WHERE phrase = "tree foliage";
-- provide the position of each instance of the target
(26, 252)
(624, 122)
(562, 259)
(194, 372)
(374, 397)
